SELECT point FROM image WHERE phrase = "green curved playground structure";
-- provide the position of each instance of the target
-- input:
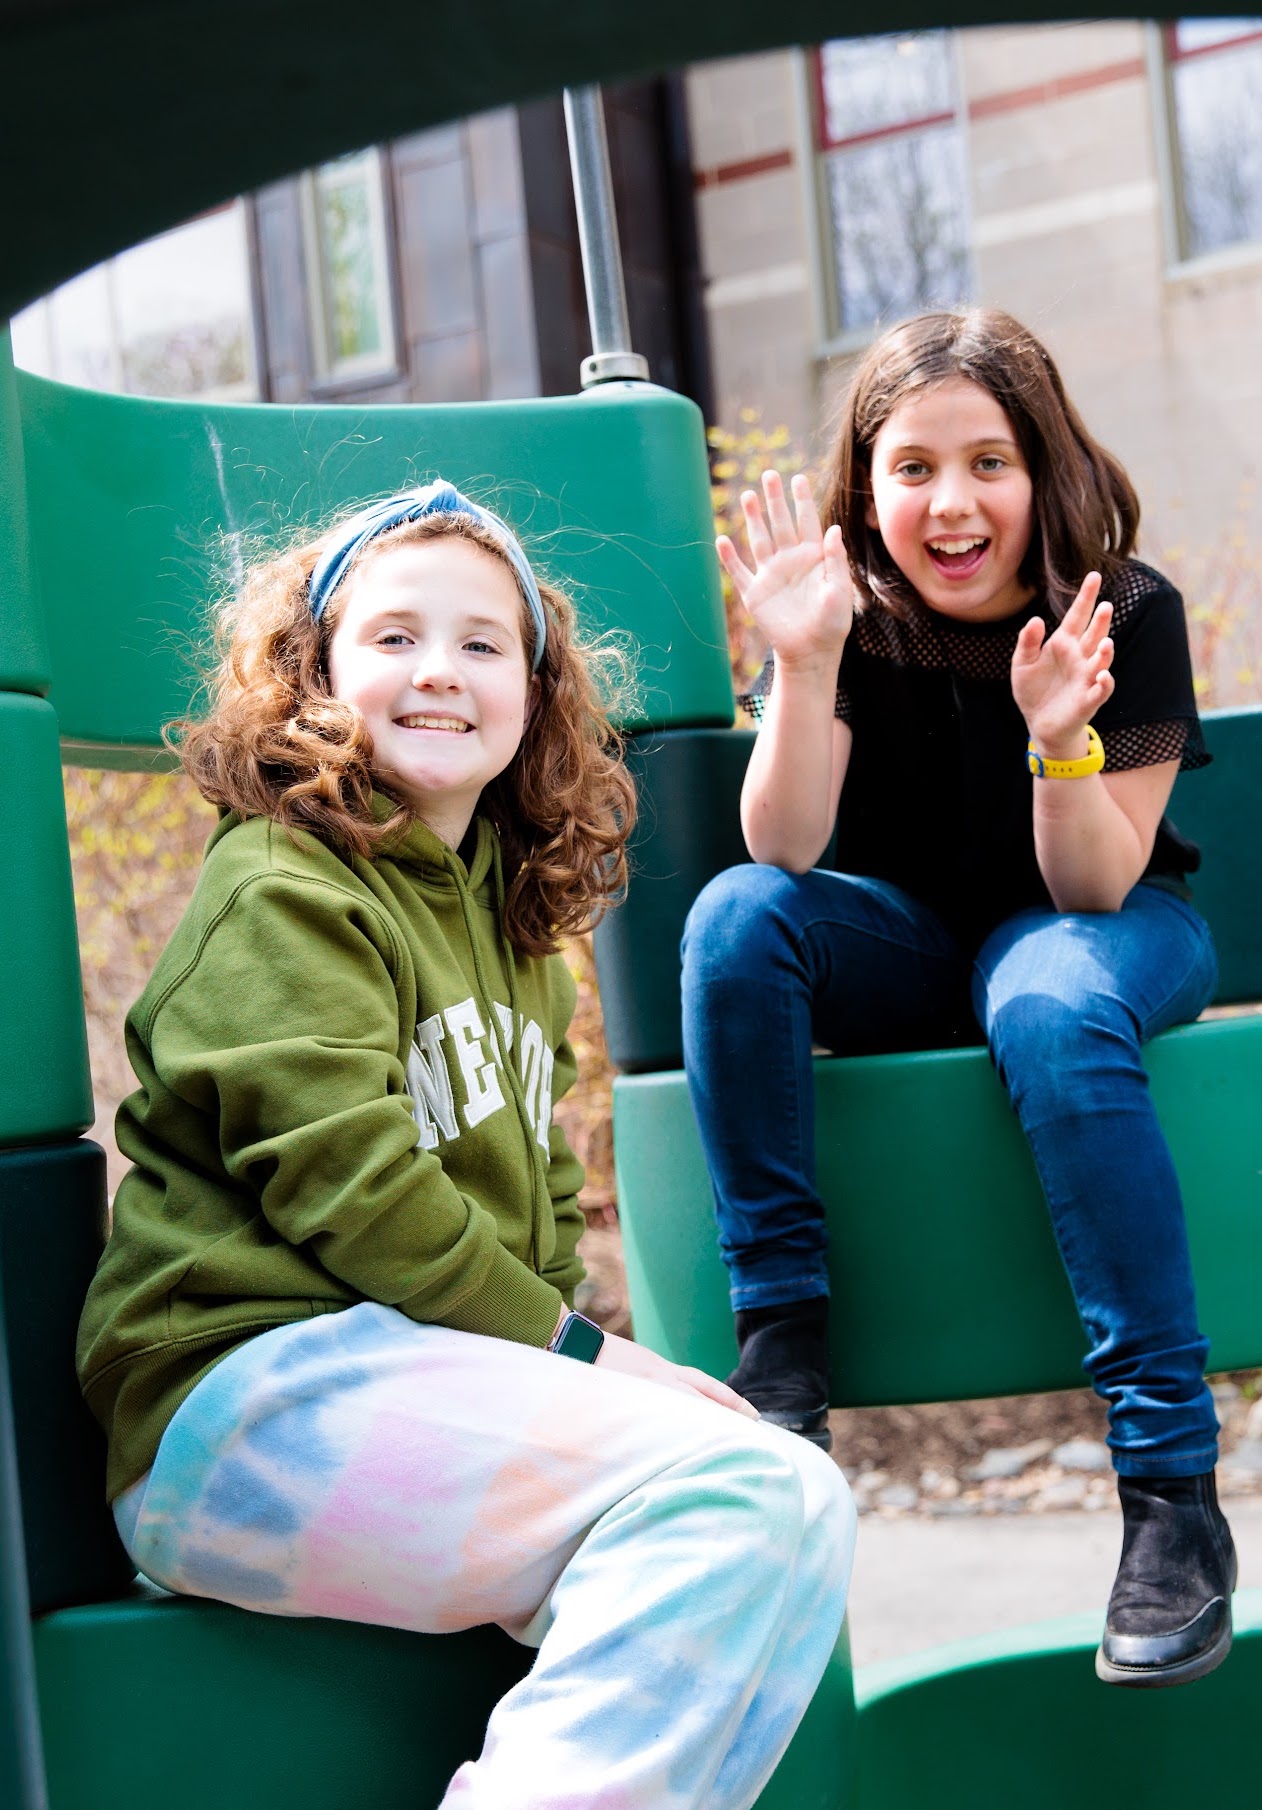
(116, 512)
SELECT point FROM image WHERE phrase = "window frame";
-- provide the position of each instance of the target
(813, 154)
(1163, 57)
(328, 374)
(250, 386)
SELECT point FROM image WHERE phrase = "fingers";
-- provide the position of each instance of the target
(1029, 642)
(777, 529)
(836, 565)
(779, 518)
(761, 544)
(734, 566)
(808, 515)
(1101, 689)
(718, 1392)
(1094, 634)
(1077, 616)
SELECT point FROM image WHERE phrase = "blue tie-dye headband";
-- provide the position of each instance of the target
(438, 498)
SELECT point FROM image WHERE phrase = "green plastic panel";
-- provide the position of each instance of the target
(182, 1705)
(689, 783)
(21, 1761)
(52, 1228)
(1021, 1719)
(609, 491)
(45, 1086)
(946, 1282)
(1220, 807)
(24, 662)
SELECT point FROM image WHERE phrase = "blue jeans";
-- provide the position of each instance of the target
(775, 962)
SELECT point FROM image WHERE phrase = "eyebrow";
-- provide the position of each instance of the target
(908, 446)
(408, 612)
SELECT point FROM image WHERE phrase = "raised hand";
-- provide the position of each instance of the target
(799, 590)
(1060, 680)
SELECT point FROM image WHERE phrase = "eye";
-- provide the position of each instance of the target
(478, 646)
(911, 468)
(991, 462)
(394, 637)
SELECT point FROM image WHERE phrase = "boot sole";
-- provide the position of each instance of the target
(1155, 1677)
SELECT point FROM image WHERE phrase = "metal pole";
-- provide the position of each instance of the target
(612, 356)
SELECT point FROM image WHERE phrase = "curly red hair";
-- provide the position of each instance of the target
(276, 743)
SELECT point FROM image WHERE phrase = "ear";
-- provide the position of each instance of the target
(869, 513)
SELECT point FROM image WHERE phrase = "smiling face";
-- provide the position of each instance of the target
(953, 501)
(429, 648)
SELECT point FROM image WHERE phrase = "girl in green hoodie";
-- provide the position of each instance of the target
(328, 1337)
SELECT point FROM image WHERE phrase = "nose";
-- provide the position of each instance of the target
(952, 493)
(436, 668)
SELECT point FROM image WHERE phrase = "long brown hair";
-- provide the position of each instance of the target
(276, 743)
(1086, 512)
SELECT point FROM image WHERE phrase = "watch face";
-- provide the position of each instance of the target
(580, 1339)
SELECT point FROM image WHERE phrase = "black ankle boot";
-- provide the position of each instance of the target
(1169, 1615)
(784, 1366)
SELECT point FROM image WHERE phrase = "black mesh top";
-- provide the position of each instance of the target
(937, 793)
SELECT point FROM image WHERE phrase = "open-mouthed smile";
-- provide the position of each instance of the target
(449, 725)
(958, 557)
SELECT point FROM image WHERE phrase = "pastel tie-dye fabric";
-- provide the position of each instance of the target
(682, 1570)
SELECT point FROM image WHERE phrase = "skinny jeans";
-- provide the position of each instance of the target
(681, 1570)
(775, 962)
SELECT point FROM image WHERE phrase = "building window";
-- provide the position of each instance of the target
(1215, 76)
(348, 269)
(170, 317)
(891, 140)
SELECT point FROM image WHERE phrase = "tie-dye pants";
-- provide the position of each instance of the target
(681, 1570)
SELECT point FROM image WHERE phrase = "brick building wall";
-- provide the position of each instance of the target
(1069, 208)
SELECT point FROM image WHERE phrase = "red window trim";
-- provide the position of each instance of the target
(1174, 54)
(873, 133)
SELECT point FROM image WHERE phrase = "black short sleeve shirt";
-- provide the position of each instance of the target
(938, 795)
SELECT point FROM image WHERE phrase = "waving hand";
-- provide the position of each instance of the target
(1060, 680)
(798, 591)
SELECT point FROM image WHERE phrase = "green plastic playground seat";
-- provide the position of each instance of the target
(326, 1715)
(1020, 1720)
(45, 1085)
(169, 497)
(946, 1282)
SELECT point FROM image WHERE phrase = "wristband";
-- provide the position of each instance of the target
(1090, 762)
(577, 1337)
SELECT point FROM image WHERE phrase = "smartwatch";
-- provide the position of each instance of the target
(577, 1337)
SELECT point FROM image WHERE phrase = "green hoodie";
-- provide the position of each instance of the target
(325, 1116)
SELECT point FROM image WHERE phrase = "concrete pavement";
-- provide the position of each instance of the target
(920, 1582)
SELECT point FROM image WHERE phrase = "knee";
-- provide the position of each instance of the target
(828, 1505)
(734, 917)
(1061, 1048)
(822, 1535)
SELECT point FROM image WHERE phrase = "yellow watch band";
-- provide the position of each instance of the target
(1091, 761)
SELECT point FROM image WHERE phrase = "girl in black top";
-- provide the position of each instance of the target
(990, 699)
